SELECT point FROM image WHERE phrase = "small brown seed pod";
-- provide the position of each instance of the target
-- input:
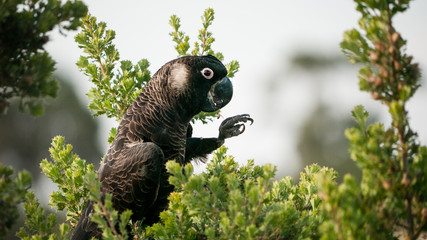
(405, 180)
(375, 95)
(424, 213)
(395, 37)
(383, 72)
(400, 86)
(379, 46)
(378, 81)
(386, 184)
(374, 56)
(397, 65)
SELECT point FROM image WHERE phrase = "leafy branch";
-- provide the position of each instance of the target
(201, 47)
(115, 89)
(12, 192)
(38, 225)
(67, 171)
(104, 215)
(25, 66)
(391, 195)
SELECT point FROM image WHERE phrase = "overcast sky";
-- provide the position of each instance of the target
(261, 35)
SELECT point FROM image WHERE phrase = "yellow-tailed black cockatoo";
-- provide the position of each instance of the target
(156, 128)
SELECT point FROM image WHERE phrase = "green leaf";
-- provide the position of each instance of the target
(112, 135)
(36, 108)
(355, 46)
(360, 115)
(232, 68)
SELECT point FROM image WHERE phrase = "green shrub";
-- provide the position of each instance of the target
(391, 200)
(229, 201)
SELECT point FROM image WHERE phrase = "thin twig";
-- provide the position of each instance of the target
(110, 223)
(258, 209)
(401, 133)
(419, 230)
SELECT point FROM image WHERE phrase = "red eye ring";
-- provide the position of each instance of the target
(207, 73)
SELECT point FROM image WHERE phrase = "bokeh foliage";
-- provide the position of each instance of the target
(25, 66)
(12, 192)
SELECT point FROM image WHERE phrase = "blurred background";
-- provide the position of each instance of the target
(293, 81)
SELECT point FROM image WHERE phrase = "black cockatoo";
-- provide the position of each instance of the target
(156, 128)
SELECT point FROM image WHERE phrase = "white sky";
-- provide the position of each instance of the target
(260, 35)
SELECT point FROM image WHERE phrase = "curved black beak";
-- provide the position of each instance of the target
(219, 95)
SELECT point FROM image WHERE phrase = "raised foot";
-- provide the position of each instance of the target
(233, 126)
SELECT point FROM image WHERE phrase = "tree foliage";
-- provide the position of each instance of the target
(25, 66)
(12, 192)
(391, 199)
(115, 89)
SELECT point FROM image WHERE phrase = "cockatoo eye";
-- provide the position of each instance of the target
(207, 73)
